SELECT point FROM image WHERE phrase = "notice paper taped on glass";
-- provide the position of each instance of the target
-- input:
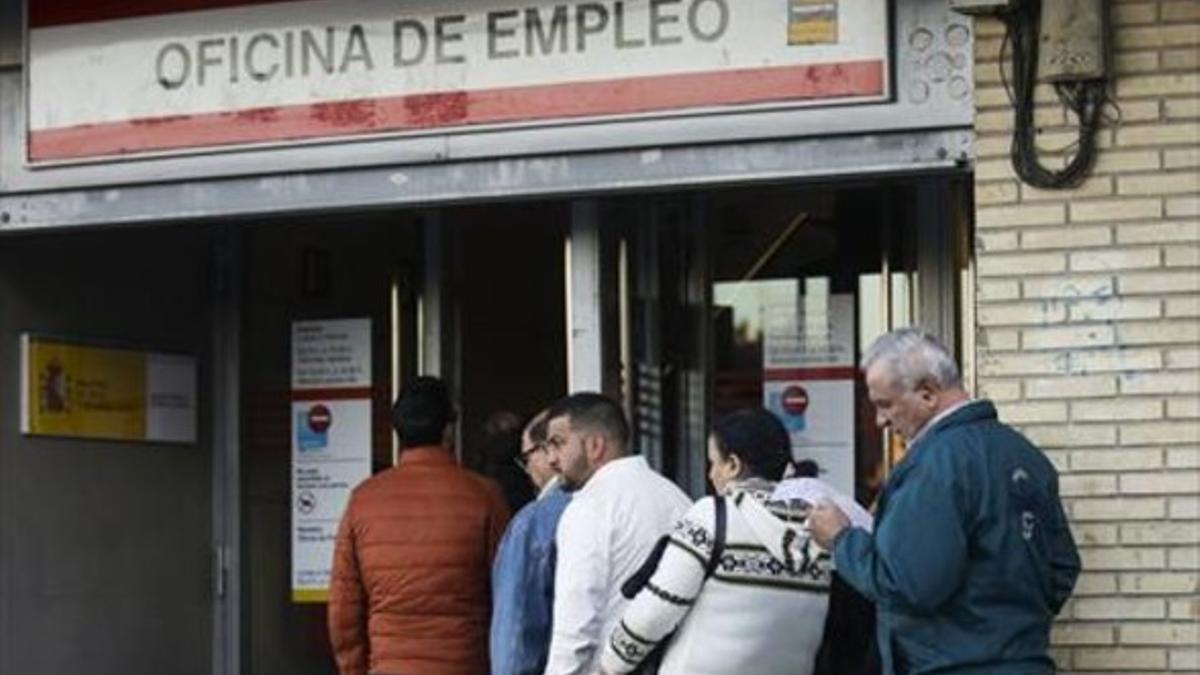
(331, 441)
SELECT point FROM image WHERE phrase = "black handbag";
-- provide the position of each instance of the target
(638, 580)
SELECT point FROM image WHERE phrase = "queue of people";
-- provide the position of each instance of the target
(612, 569)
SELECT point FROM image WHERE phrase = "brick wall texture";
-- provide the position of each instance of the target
(1088, 306)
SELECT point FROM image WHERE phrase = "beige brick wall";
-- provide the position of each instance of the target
(1088, 306)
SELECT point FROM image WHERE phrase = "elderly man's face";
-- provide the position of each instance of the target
(536, 460)
(904, 412)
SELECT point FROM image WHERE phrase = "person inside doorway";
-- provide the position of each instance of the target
(501, 442)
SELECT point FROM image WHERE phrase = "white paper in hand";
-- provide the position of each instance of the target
(815, 490)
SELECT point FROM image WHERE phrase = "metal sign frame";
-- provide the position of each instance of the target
(697, 77)
(932, 64)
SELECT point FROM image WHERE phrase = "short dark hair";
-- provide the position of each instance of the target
(807, 468)
(758, 438)
(593, 411)
(422, 412)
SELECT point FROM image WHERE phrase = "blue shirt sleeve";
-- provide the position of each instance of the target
(510, 607)
(523, 589)
(917, 556)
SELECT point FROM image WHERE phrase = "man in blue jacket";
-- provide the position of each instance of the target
(972, 556)
(523, 575)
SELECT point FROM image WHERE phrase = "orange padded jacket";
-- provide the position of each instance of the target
(410, 592)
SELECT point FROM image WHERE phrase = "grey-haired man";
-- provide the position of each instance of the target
(971, 556)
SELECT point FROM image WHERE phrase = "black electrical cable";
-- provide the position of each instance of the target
(1085, 98)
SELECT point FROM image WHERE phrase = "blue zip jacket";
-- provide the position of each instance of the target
(523, 587)
(971, 557)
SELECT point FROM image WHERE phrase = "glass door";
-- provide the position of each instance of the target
(803, 280)
(767, 296)
(663, 281)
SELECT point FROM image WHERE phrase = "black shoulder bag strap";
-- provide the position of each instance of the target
(718, 537)
(653, 660)
(638, 580)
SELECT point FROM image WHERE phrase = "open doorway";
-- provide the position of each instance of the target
(507, 281)
(505, 346)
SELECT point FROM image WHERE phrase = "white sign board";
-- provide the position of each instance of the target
(332, 354)
(808, 380)
(187, 76)
(331, 441)
(171, 398)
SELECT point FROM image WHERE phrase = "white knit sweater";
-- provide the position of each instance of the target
(763, 610)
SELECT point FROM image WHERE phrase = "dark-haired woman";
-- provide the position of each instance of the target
(762, 610)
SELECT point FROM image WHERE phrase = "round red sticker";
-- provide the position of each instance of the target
(795, 400)
(319, 418)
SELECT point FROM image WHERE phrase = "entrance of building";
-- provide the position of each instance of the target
(506, 284)
(473, 294)
(692, 303)
(767, 295)
(687, 304)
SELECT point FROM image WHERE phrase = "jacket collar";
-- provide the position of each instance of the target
(937, 419)
(759, 488)
(973, 411)
(783, 531)
(425, 455)
(555, 483)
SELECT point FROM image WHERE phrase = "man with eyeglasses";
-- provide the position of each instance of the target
(523, 575)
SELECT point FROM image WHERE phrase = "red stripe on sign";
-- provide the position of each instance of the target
(48, 13)
(487, 106)
(827, 373)
(331, 394)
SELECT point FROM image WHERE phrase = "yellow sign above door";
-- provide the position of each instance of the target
(812, 22)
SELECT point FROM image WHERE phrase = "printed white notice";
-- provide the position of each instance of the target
(170, 398)
(331, 441)
(333, 353)
(808, 373)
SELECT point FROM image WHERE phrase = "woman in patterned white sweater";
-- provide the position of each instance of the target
(762, 610)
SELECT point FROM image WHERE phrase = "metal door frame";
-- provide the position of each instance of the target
(226, 338)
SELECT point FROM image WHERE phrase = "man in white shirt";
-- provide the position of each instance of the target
(619, 510)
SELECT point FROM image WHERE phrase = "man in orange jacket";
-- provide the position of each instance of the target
(410, 590)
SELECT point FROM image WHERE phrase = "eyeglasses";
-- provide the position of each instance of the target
(522, 459)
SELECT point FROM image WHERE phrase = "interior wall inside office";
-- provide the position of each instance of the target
(105, 547)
